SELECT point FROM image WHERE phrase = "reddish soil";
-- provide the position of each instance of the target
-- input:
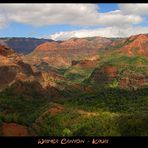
(88, 64)
(60, 53)
(132, 81)
(138, 42)
(13, 129)
(47, 46)
(5, 51)
(88, 89)
(106, 74)
(124, 83)
(111, 71)
(56, 109)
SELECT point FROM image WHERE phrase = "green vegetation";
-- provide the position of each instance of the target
(114, 84)
(112, 113)
(106, 109)
(105, 112)
(21, 108)
(119, 45)
(78, 74)
(131, 68)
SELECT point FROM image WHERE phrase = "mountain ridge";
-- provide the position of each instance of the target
(22, 45)
(67, 88)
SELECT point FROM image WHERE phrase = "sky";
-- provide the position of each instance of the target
(64, 21)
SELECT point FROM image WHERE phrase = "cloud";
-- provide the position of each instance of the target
(136, 9)
(48, 14)
(104, 32)
(3, 21)
(68, 14)
(117, 23)
(117, 18)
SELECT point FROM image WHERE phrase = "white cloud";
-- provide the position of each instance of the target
(3, 21)
(69, 14)
(117, 23)
(117, 18)
(47, 14)
(104, 32)
(136, 9)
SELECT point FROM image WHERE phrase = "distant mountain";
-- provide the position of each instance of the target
(62, 53)
(124, 64)
(23, 45)
(137, 44)
(66, 88)
(133, 45)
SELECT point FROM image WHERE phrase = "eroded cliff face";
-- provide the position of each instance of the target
(12, 68)
(61, 54)
(20, 76)
(136, 45)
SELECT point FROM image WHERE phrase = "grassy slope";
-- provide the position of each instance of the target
(78, 74)
(112, 113)
(104, 112)
(127, 66)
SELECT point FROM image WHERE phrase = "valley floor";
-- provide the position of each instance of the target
(104, 113)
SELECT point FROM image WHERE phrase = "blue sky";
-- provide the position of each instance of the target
(108, 7)
(20, 29)
(79, 20)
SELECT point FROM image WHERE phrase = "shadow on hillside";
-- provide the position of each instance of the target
(133, 124)
(109, 99)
